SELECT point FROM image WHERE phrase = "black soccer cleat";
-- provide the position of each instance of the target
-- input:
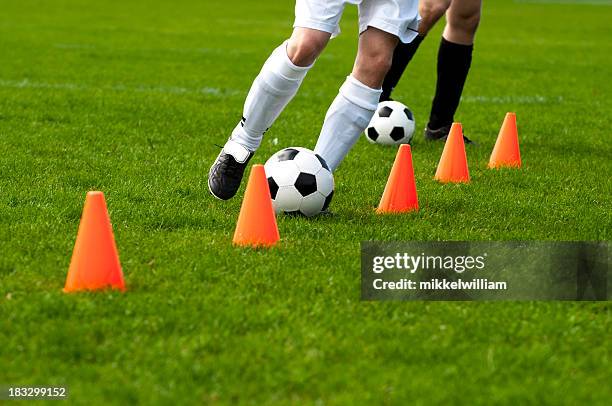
(226, 173)
(441, 134)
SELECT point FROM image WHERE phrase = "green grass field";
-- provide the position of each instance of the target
(130, 98)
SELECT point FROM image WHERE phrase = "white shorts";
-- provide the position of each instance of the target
(397, 17)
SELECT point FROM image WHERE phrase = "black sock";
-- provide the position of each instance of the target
(401, 57)
(454, 62)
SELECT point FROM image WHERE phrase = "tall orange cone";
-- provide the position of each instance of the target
(400, 194)
(95, 262)
(256, 225)
(453, 165)
(506, 152)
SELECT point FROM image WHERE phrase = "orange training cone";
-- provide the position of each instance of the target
(257, 222)
(95, 262)
(400, 194)
(453, 165)
(506, 152)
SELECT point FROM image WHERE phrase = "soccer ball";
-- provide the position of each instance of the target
(392, 124)
(300, 181)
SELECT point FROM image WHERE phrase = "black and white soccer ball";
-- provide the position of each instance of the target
(392, 124)
(300, 181)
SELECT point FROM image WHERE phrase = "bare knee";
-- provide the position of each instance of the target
(461, 25)
(431, 11)
(305, 46)
(465, 22)
(372, 66)
(374, 57)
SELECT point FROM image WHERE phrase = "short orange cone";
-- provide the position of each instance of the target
(506, 152)
(95, 262)
(400, 194)
(256, 225)
(453, 165)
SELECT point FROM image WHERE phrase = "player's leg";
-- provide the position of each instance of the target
(352, 110)
(431, 11)
(454, 61)
(274, 87)
(277, 83)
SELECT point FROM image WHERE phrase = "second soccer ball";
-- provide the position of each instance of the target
(392, 124)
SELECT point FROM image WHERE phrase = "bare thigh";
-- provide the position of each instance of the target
(431, 11)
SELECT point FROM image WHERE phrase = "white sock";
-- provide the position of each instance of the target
(271, 91)
(347, 117)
